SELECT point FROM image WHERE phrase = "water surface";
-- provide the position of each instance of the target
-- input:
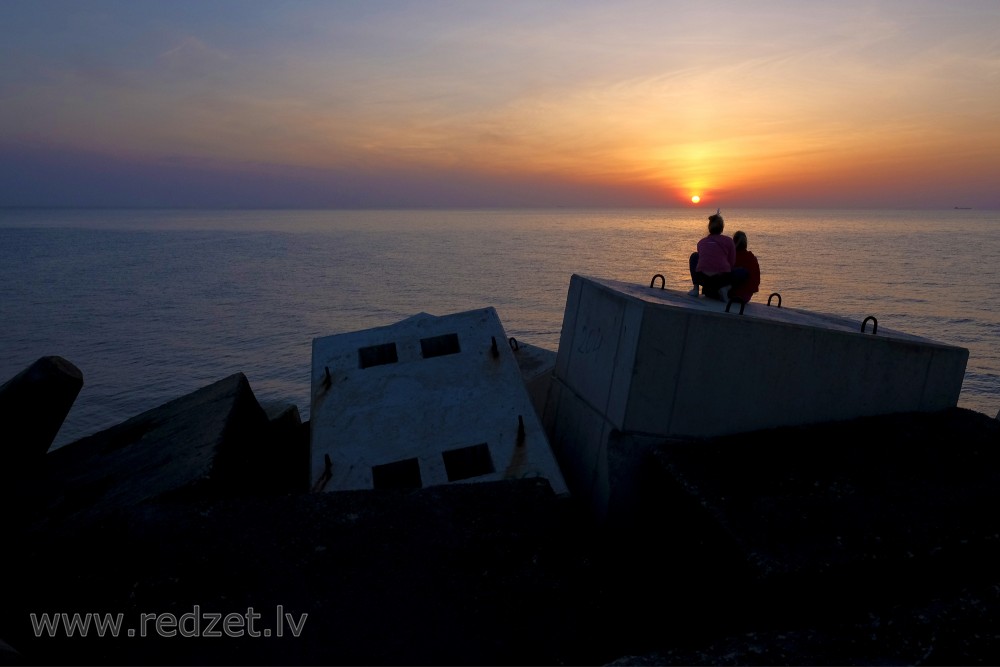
(151, 305)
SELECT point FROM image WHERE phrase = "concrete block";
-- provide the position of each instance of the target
(212, 441)
(537, 365)
(33, 405)
(580, 445)
(567, 333)
(636, 361)
(592, 354)
(684, 367)
(624, 365)
(426, 401)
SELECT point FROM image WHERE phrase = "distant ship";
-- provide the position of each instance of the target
(963, 208)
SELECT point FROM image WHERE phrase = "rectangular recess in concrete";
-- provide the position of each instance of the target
(468, 462)
(403, 474)
(377, 355)
(439, 346)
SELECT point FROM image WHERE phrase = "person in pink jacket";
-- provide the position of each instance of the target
(712, 265)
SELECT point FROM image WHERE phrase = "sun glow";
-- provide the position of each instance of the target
(695, 199)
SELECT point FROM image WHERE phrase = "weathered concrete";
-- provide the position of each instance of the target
(214, 441)
(428, 400)
(536, 364)
(33, 405)
(644, 361)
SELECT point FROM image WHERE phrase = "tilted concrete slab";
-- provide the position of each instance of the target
(653, 362)
(426, 401)
(215, 441)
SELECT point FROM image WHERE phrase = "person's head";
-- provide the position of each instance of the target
(740, 239)
(715, 224)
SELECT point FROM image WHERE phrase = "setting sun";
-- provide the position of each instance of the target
(695, 199)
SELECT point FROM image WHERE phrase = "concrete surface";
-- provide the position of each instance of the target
(215, 441)
(650, 362)
(428, 400)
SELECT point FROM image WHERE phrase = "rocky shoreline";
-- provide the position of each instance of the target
(871, 541)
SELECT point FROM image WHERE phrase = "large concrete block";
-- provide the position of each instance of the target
(33, 405)
(426, 401)
(214, 440)
(579, 441)
(661, 362)
(639, 362)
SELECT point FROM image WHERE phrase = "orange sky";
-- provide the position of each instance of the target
(887, 104)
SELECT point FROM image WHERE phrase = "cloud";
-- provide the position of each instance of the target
(637, 97)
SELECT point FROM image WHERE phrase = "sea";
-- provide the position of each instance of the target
(153, 304)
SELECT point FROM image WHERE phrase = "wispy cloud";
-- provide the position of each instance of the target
(657, 95)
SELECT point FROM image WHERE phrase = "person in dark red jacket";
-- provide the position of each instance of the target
(746, 271)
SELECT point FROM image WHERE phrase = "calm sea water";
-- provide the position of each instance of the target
(151, 305)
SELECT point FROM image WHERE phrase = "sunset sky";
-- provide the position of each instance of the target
(467, 103)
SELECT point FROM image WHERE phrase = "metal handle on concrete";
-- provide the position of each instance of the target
(774, 294)
(663, 281)
(743, 304)
(513, 344)
(874, 324)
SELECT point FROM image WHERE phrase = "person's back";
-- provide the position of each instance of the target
(746, 271)
(716, 254)
(711, 266)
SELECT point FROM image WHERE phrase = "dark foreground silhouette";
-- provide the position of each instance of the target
(872, 541)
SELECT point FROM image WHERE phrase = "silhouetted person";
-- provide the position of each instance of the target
(746, 271)
(712, 265)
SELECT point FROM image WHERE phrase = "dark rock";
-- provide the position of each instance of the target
(33, 405)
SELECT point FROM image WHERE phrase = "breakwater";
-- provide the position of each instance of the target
(866, 540)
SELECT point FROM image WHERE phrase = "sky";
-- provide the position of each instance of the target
(475, 103)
